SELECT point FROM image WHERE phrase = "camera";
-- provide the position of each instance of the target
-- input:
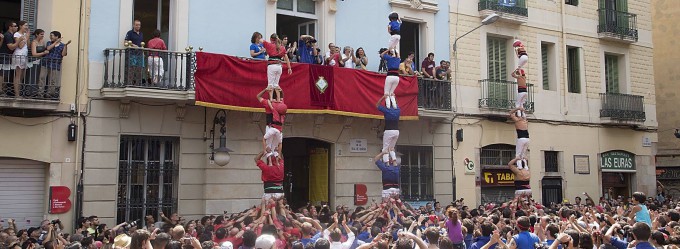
(131, 224)
(56, 221)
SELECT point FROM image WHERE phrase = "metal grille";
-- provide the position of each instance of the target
(434, 94)
(496, 154)
(551, 190)
(551, 161)
(544, 67)
(147, 177)
(416, 173)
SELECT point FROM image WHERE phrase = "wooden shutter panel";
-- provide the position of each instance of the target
(29, 13)
(544, 66)
(612, 73)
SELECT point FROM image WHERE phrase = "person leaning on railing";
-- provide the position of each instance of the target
(6, 49)
(135, 63)
(50, 66)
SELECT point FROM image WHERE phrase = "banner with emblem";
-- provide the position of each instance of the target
(229, 82)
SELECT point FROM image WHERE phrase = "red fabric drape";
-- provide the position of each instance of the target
(232, 83)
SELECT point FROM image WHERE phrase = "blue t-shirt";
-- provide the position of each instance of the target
(480, 241)
(526, 240)
(391, 114)
(391, 62)
(257, 49)
(311, 240)
(390, 174)
(395, 26)
(306, 53)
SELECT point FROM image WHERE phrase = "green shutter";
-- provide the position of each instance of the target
(622, 14)
(544, 67)
(611, 68)
(498, 87)
(573, 70)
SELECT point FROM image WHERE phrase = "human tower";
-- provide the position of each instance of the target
(387, 160)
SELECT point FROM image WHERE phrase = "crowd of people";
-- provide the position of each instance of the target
(46, 54)
(520, 223)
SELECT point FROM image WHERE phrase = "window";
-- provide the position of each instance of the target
(544, 67)
(573, 70)
(571, 2)
(416, 171)
(154, 14)
(302, 6)
(551, 161)
(147, 177)
(611, 73)
(497, 154)
(551, 190)
(496, 58)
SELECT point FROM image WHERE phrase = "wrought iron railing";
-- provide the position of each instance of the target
(29, 77)
(516, 7)
(502, 95)
(618, 23)
(434, 94)
(620, 106)
(149, 68)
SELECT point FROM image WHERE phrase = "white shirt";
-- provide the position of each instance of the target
(23, 50)
(349, 63)
(337, 244)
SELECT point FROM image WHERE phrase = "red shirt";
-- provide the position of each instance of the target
(428, 66)
(156, 43)
(336, 58)
(272, 173)
(271, 49)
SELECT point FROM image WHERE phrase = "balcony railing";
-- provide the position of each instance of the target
(434, 94)
(624, 107)
(501, 95)
(149, 68)
(40, 78)
(618, 24)
(516, 7)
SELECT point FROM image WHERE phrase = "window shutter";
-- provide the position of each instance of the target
(622, 13)
(612, 73)
(544, 67)
(29, 13)
(497, 68)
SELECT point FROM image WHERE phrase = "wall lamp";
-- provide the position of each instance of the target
(220, 155)
(488, 20)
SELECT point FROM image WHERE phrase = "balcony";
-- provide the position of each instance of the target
(434, 98)
(512, 11)
(500, 95)
(617, 26)
(138, 73)
(39, 87)
(622, 107)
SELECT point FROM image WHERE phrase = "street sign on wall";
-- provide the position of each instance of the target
(617, 161)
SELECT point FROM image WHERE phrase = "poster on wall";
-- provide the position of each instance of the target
(581, 164)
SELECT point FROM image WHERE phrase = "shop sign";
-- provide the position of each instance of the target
(360, 196)
(498, 177)
(668, 173)
(59, 202)
(469, 166)
(617, 160)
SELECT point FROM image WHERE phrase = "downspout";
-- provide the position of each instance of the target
(565, 72)
(80, 158)
(453, 170)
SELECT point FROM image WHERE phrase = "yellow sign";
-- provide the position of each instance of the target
(498, 178)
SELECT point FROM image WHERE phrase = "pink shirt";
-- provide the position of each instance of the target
(156, 43)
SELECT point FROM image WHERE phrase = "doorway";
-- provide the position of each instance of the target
(410, 41)
(307, 173)
(616, 184)
(154, 14)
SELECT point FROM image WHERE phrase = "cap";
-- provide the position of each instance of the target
(265, 241)
(122, 240)
(517, 43)
(227, 245)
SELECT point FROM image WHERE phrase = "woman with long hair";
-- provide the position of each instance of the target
(361, 59)
(454, 228)
(20, 59)
(277, 53)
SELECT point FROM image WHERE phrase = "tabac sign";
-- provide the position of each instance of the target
(497, 177)
(617, 161)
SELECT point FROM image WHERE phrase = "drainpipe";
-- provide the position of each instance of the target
(565, 74)
(80, 158)
(453, 170)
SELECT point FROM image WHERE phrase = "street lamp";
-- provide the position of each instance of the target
(488, 20)
(220, 155)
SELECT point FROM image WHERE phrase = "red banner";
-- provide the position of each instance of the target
(229, 82)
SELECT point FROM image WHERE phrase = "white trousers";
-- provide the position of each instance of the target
(521, 99)
(274, 72)
(273, 138)
(394, 42)
(522, 147)
(268, 196)
(523, 192)
(390, 138)
(155, 68)
(391, 83)
(522, 61)
(391, 192)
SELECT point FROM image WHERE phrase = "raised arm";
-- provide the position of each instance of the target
(377, 104)
(512, 165)
(259, 156)
(259, 95)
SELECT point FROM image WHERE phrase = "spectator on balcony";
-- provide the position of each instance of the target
(333, 59)
(38, 47)
(331, 48)
(155, 61)
(405, 67)
(51, 64)
(291, 49)
(307, 50)
(361, 59)
(257, 51)
(318, 59)
(412, 55)
(348, 58)
(428, 65)
(20, 60)
(6, 48)
(443, 72)
(134, 38)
